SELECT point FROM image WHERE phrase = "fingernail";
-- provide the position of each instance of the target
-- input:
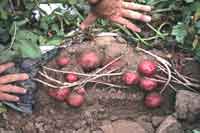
(138, 30)
(24, 91)
(17, 98)
(25, 76)
(148, 18)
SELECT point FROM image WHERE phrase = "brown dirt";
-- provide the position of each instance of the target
(102, 103)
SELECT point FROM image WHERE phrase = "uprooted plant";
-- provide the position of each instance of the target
(149, 74)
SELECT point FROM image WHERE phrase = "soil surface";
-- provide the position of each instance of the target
(107, 109)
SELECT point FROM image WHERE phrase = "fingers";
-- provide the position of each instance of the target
(3, 67)
(7, 97)
(12, 89)
(91, 18)
(134, 6)
(13, 77)
(126, 23)
(135, 15)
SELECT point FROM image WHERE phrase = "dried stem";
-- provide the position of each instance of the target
(177, 82)
(50, 78)
(66, 72)
(186, 82)
(107, 65)
(173, 88)
(81, 74)
(76, 83)
(109, 84)
(192, 79)
(181, 76)
(45, 83)
(162, 61)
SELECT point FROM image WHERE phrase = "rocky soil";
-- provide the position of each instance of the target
(109, 110)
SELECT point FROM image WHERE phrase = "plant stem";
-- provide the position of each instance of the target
(14, 36)
(156, 31)
(45, 83)
(109, 84)
(81, 74)
(162, 61)
(154, 37)
(141, 39)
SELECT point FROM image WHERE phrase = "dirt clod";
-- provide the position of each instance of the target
(124, 126)
(156, 120)
(170, 125)
(187, 105)
(106, 109)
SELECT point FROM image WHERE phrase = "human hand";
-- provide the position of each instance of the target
(6, 87)
(116, 11)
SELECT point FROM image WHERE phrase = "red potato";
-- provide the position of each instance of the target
(63, 61)
(153, 100)
(130, 78)
(59, 94)
(81, 91)
(75, 100)
(147, 67)
(89, 61)
(71, 77)
(148, 84)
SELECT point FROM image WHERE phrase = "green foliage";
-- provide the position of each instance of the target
(197, 55)
(2, 108)
(184, 19)
(196, 131)
(21, 34)
(26, 44)
(180, 32)
(197, 26)
(189, 1)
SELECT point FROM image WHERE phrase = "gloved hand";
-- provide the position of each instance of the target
(116, 11)
(6, 87)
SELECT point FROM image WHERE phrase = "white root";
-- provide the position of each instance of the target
(65, 72)
(162, 61)
(45, 83)
(173, 76)
(90, 77)
(107, 65)
(176, 81)
(50, 78)
(109, 84)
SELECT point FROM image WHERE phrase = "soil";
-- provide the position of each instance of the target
(103, 104)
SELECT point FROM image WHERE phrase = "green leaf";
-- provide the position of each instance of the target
(7, 55)
(2, 108)
(180, 32)
(26, 35)
(26, 44)
(197, 55)
(55, 27)
(4, 35)
(189, 1)
(54, 41)
(3, 14)
(196, 131)
(72, 2)
(42, 40)
(197, 26)
(27, 48)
